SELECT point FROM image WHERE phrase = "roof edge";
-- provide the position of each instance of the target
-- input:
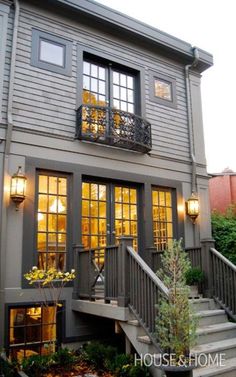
(167, 41)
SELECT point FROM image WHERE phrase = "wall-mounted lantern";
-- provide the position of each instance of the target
(192, 207)
(18, 187)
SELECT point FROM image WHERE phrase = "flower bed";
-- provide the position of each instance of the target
(95, 359)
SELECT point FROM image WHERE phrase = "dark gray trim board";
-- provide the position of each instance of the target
(37, 36)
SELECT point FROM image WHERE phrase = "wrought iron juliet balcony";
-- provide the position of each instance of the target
(106, 125)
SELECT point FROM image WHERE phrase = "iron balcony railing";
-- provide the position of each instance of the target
(114, 127)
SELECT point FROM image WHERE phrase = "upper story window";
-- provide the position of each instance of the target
(105, 85)
(111, 106)
(162, 214)
(162, 89)
(51, 52)
(52, 221)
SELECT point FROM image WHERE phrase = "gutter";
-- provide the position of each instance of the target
(3, 245)
(190, 118)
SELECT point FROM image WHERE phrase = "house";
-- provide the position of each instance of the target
(103, 115)
(222, 190)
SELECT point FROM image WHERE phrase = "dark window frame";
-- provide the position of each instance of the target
(56, 174)
(37, 36)
(60, 321)
(167, 79)
(111, 68)
(98, 56)
(173, 207)
(110, 213)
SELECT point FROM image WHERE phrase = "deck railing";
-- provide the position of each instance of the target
(194, 254)
(123, 276)
(119, 273)
(223, 282)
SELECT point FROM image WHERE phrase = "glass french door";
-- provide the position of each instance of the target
(108, 212)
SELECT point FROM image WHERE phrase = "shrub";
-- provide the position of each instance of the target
(119, 365)
(98, 354)
(36, 365)
(138, 371)
(194, 276)
(224, 234)
(64, 357)
(7, 369)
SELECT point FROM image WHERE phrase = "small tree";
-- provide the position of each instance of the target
(175, 323)
(50, 284)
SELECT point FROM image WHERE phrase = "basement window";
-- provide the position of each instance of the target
(32, 331)
(51, 52)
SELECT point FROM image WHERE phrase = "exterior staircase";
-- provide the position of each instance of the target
(124, 288)
(216, 335)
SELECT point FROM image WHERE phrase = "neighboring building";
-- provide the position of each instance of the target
(222, 190)
(103, 114)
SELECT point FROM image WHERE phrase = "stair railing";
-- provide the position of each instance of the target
(138, 287)
(223, 282)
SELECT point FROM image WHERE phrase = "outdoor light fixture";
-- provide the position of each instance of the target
(18, 186)
(192, 207)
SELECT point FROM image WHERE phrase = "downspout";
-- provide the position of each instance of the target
(190, 119)
(3, 244)
(11, 80)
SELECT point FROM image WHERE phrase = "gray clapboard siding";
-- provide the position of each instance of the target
(45, 101)
(7, 66)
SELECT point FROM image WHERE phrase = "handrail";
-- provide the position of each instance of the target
(223, 282)
(224, 259)
(149, 271)
(144, 292)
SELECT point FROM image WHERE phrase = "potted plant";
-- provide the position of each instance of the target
(175, 321)
(194, 276)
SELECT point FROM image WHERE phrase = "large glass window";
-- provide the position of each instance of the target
(162, 218)
(52, 221)
(32, 331)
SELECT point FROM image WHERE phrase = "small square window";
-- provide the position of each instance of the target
(162, 89)
(51, 52)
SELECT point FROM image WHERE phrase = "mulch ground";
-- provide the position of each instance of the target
(80, 370)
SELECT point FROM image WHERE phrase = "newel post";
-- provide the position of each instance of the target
(206, 244)
(77, 266)
(123, 271)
